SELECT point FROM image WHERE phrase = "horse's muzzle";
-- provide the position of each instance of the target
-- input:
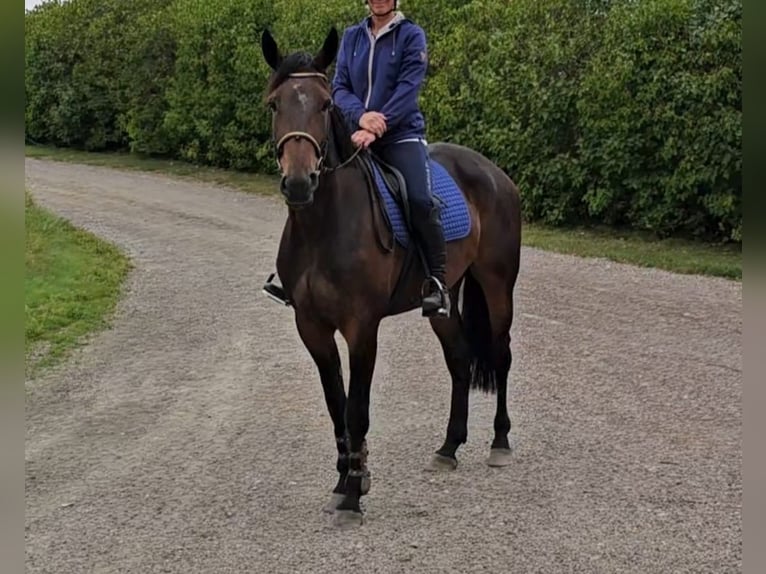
(299, 191)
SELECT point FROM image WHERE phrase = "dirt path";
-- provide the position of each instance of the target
(193, 437)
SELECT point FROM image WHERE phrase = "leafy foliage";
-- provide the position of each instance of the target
(661, 118)
(620, 112)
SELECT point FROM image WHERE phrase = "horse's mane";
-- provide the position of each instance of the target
(341, 146)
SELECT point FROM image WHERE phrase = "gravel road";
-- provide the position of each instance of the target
(193, 436)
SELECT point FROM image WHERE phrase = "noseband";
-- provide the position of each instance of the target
(319, 148)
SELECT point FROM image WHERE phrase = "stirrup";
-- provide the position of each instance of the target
(275, 292)
(433, 308)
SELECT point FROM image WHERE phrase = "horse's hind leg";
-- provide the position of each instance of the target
(320, 342)
(457, 354)
(500, 451)
(498, 293)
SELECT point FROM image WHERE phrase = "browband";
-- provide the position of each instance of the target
(307, 75)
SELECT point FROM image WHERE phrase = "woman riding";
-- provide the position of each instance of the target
(380, 70)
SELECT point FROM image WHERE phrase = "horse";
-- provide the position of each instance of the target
(342, 270)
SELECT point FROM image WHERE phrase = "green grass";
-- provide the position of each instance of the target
(676, 255)
(73, 281)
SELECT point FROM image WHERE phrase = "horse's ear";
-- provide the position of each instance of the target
(270, 50)
(328, 52)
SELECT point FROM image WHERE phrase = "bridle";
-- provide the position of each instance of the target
(319, 148)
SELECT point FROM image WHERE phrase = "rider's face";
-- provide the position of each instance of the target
(381, 7)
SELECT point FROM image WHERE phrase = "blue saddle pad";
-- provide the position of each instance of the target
(455, 217)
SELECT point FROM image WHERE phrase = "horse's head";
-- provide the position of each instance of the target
(300, 99)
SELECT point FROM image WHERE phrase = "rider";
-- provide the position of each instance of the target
(380, 69)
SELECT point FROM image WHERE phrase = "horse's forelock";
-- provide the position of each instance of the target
(292, 64)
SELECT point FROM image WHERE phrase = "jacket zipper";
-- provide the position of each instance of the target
(373, 40)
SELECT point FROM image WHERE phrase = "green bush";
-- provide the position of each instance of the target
(511, 92)
(78, 70)
(151, 63)
(618, 112)
(661, 121)
(214, 113)
(51, 33)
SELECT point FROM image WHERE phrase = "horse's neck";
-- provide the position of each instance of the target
(342, 146)
(325, 236)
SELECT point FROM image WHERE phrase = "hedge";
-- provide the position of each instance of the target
(617, 112)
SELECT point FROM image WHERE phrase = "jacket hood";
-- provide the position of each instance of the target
(398, 18)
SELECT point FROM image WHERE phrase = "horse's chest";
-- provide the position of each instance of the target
(322, 292)
(324, 276)
(300, 266)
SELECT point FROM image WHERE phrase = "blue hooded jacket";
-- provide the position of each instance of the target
(383, 74)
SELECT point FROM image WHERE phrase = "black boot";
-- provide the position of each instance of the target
(435, 293)
(274, 291)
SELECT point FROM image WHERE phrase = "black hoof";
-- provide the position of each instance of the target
(347, 519)
(441, 463)
(500, 457)
(333, 503)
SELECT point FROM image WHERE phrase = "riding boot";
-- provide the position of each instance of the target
(275, 291)
(435, 293)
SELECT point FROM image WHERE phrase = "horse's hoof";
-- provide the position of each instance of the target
(333, 503)
(441, 463)
(499, 457)
(347, 519)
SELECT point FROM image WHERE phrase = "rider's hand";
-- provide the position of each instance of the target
(374, 122)
(362, 138)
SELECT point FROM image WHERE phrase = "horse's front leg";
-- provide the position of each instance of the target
(362, 344)
(319, 339)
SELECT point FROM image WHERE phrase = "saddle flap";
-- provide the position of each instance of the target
(389, 184)
(393, 178)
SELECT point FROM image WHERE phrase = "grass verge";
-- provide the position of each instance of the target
(72, 283)
(676, 255)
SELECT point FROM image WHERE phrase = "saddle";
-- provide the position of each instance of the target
(392, 179)
(392, 196)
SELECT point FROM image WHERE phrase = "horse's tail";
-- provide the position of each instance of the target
(478, 330)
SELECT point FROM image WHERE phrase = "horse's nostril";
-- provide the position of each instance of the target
(297, 190)
(313, 179)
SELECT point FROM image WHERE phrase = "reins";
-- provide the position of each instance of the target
(326, 169)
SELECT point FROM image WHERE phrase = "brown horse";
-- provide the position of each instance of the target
(342, 270)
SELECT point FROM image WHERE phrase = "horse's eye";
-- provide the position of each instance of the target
(327, 105)
(272, 105)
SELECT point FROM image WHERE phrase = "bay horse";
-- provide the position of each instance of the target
(342, 271)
